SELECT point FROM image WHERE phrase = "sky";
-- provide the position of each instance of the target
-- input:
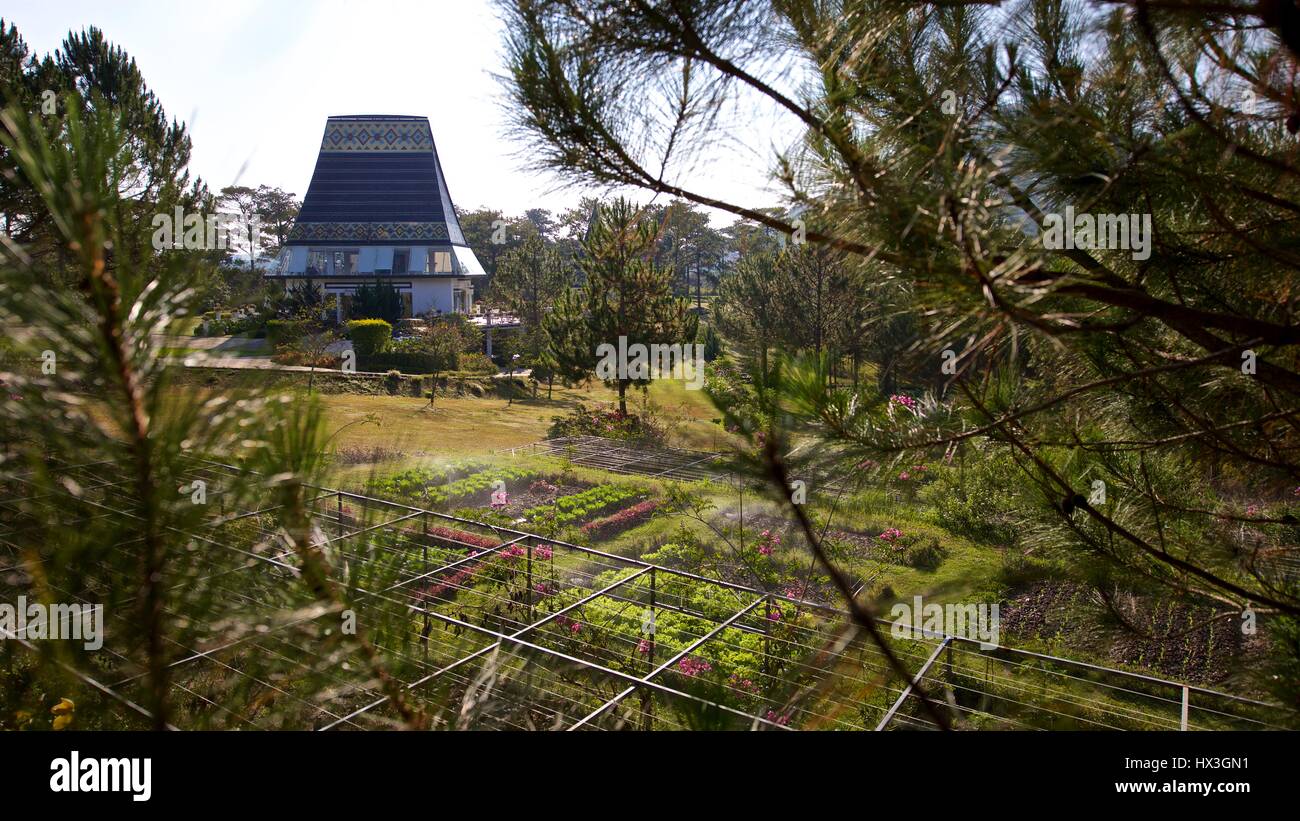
(255, 81)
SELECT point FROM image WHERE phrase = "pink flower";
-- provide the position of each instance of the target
(643, 647)
(904, 476)
(543, 552)
(1252, 510)
(891, 534)
(775, 615)
(693, 667)
(783, 719)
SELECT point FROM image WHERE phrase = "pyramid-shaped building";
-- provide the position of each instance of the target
(378, 207)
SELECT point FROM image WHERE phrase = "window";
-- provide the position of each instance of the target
(317, 262)
(467, 263)
(439, 263)
(345, 262)
(401, 261)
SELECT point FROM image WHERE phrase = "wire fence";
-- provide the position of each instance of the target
(619, 456)
(490, 627)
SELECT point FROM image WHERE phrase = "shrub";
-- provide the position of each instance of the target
(369, 336)
(377, 301)
(245, 320)
(981, 504)
(476, 364)
(607, 422)
(926, 556)
(283, 331)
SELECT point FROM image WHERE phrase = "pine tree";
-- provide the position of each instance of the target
(625, 297)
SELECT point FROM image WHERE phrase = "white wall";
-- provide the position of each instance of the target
(431, 294)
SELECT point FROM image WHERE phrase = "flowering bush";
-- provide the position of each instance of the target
(693, 667)
(604, 421)
(543, 552)
(628, 517)
(891, 534)
(782, 719)
(768, 541)
(570, 625)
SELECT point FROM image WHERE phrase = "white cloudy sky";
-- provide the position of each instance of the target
(256, 80)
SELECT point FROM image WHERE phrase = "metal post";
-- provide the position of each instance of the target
(529, 583)
(647, 695)
(339, 498)
(920, 674)
(767, 639)
(424, 549)
(1187, 696)
(952, 689)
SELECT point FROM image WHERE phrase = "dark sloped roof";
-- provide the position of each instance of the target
(377, 181)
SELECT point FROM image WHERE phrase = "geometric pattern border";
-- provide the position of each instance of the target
(369, 231)
(377, 136)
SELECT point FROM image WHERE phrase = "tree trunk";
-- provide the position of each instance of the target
(622, 397)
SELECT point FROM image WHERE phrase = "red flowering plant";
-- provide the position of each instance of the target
(626, 518)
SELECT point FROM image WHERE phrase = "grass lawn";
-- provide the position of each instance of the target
(468, 427)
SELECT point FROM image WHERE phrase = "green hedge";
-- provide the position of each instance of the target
(282, 331)
(369, 337)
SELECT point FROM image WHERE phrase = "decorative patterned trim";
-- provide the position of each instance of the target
(369, 231)
(377, 136)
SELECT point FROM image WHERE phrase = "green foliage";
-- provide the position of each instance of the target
(579, 507)
(608, 422)
(529, 281)
(369, 336)
(377, 300)
(475, 363)
(285, 331)
(447, 486)
(625, 297)
(979, 499)
(132, 533)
